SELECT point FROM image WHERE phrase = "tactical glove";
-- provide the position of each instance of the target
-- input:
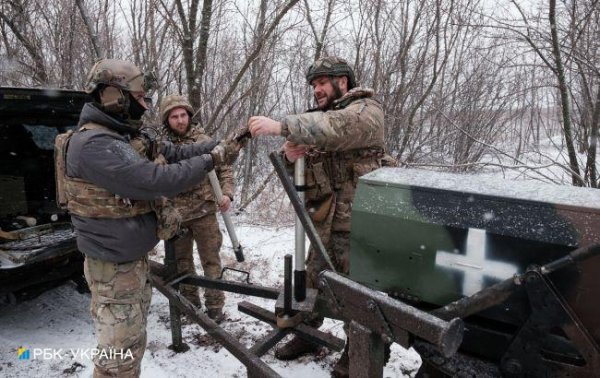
(225, 152)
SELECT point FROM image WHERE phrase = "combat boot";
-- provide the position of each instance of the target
(216, 314)
(295, 348)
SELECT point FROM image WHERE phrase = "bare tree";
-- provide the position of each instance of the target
(42, 38)
(261, 40)
(463, 86)
(564, 93)
(193, 39)
(254, 104)
(93, 34)
(319, 38)
(17, 17)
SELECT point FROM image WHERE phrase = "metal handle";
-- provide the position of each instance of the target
(237, 248)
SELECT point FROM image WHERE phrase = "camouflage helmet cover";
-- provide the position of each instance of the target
(171, 102)
(331, 66)
(121, 74)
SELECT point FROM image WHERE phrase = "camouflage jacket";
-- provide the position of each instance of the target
(346, 142)
(355, 122)
(199, 200)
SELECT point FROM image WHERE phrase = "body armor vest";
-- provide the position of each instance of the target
(332, 176)
(84, 198)
(327, 172)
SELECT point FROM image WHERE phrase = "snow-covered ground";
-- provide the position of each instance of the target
(60, 319)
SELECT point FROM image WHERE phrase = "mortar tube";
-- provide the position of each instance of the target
(216, 187)
(300, 256)
(309, 227)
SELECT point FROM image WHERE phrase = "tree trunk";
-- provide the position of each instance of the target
(93, 34)
(196, 88)
(254, 78)
(564, 97)
(591, 153)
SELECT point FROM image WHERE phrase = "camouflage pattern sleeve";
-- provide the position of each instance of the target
(359, 125)
(289, 166)
(225, 174)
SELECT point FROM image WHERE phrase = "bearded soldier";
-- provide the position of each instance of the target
(341, 139)
(109, 184)
(197, 208)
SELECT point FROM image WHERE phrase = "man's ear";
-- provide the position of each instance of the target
(342, 82)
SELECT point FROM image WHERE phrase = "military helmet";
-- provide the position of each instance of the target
(171, 102)
(331, 66)
(121, 74)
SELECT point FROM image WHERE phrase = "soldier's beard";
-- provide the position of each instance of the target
(327, 104)
(181, 131)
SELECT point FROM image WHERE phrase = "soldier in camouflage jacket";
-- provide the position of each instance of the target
(342, 139)
(197, 207)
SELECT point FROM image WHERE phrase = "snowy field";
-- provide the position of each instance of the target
(60, 319)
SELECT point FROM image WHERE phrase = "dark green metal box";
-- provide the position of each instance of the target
(432, 238)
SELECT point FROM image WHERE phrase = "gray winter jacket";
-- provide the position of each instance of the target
(109, 161)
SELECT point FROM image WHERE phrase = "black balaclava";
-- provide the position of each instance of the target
(136, 110)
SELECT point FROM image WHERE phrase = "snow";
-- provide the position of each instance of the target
(60, 318)
(492, 186)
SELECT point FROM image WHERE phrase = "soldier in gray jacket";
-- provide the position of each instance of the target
(341, 139)
(109, 186)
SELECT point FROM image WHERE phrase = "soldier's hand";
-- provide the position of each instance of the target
(293, 151)
(225, 204)
(225, 152)
(260, 125)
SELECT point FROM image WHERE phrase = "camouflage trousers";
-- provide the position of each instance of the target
(338, 250)
(337, 245)
(120, 301)
(205, 232)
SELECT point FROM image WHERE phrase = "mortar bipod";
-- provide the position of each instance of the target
(289, 316)
(166, 280)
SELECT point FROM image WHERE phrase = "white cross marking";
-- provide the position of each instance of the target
(474, 264)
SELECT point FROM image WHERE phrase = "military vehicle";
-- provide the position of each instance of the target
(37, 242)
